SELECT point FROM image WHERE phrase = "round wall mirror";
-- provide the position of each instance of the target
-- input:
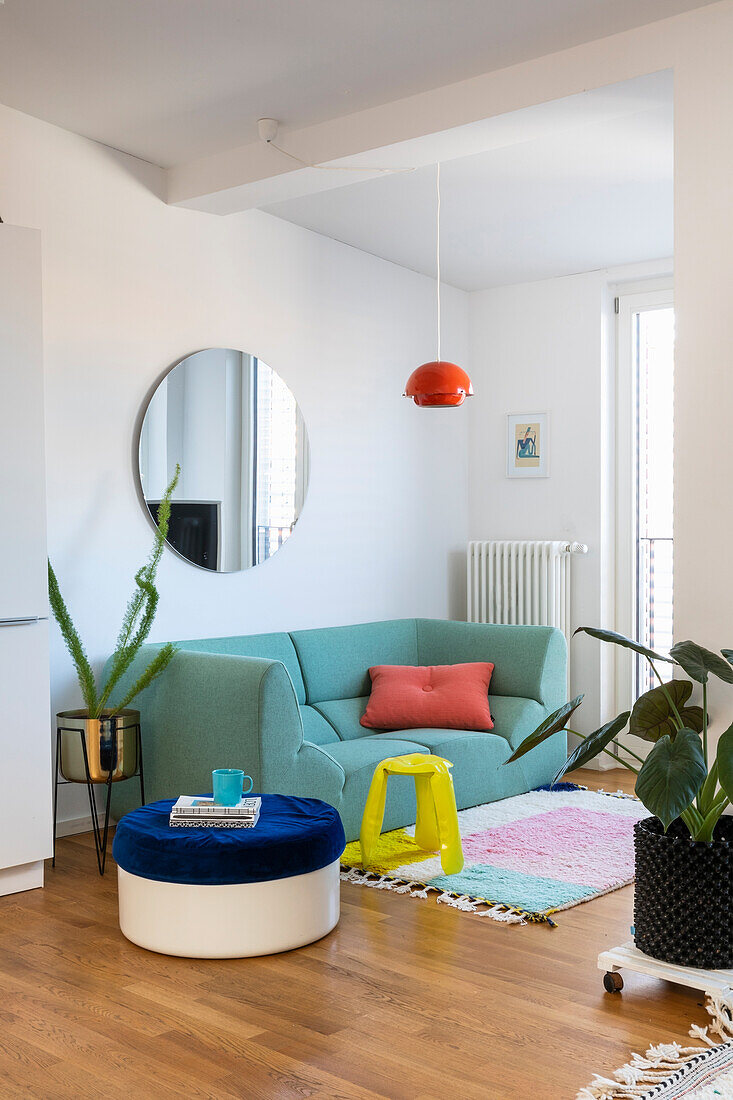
(237, 433)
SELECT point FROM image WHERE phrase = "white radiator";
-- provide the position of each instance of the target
(521, 582)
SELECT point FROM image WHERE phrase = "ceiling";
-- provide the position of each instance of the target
(175, 80)
(575, 185)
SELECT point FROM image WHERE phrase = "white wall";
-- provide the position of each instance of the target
(540, 347)
(703, 529)
(697, 46)
(130, 286)
(549, 346)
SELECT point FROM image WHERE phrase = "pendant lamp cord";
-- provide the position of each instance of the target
(437, 245)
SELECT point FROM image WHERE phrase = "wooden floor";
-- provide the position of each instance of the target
(405, 1000)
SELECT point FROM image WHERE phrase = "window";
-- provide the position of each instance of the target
(644, 441)
(653, 335)
(280, 443)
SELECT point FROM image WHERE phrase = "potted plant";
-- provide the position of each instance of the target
(99, 742)
(684, 852)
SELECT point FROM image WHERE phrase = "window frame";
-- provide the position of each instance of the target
(651, 295)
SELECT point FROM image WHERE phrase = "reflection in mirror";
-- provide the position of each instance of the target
(236, 430)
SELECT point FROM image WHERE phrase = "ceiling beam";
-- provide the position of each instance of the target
(439, 124)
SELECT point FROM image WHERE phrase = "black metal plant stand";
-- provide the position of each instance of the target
(100, 834)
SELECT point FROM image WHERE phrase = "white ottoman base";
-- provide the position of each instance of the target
(229, 922)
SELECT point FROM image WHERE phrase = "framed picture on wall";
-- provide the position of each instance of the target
(528, 440)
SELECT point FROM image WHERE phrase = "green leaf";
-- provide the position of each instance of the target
(136, 624)
(652, 715)
(593, 744)
(143, 605)
(705, 832)
(69, 633)
(552, 724)
(698, 662)
(620, 639)
(671, 776)
(159, 663)
(693, 819)
(693, 718)
(709, 794)
(725, 762)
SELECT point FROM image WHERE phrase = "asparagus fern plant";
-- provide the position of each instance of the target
(136, 624)
(678, 778)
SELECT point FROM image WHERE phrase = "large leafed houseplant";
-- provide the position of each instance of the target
(99, 741)
(684, 853)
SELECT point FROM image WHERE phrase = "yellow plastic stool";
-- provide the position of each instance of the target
(437, 820)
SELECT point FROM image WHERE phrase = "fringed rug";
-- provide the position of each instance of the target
(526, 857)
(672, 1072)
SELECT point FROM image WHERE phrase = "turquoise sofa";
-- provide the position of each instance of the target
(286, 709)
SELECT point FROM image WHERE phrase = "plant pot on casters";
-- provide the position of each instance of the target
(684, 852)
(684, 895)
(102, 743)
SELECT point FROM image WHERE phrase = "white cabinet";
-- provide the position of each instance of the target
(25, 747)
(23, 584)
(25, 743)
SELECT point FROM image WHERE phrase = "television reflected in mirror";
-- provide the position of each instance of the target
(236, 431)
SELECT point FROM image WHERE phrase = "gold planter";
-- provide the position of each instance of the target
(111, 745)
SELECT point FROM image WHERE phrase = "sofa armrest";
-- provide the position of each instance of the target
(290, 765)
(530, 661)
(210, 710)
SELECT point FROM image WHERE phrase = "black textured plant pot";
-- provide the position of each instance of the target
(683, 908)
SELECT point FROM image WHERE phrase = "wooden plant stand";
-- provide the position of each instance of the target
(628, 957)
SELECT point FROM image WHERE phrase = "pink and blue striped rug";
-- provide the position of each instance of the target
(526, 857)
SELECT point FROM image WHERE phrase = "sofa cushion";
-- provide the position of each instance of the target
(274, 647)
(515, 718)
(477, 759)
(345, 716)
(335, 661)
(530, 660)
(367, 752)
(359, 757)
(432, 696)
(316, 728)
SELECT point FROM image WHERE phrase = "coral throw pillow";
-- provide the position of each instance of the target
(405, 697)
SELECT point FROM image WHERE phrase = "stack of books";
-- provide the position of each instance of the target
(198, 810)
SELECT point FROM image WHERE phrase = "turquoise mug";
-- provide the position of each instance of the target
(228, 784)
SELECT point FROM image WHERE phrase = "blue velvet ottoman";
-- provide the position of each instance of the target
(228, 893)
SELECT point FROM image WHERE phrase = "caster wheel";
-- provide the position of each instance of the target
(613, 982)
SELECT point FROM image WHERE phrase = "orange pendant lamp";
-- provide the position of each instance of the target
(438, 384)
